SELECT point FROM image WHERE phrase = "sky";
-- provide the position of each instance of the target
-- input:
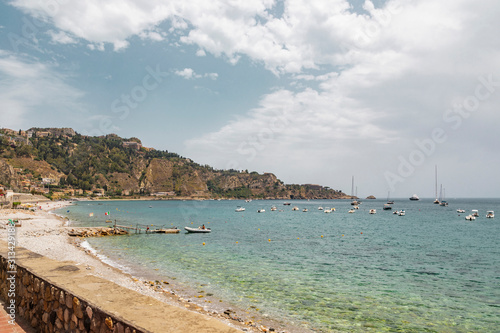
(312, 91)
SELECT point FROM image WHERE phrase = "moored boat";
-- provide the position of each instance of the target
(414, 197)
(470, 217)
(373, 211)
(240, 209)
(475, 213)
(387, 206)
(295, 208)
(262, 210)
(401, 213)
(460, 210)
(490, 214)
(197, 230)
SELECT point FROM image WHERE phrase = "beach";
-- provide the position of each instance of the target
(45, 233)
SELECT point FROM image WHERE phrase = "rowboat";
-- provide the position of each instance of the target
(197, 230)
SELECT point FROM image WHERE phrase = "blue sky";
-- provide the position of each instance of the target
(313, 91)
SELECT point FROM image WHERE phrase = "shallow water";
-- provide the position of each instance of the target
(428, 271)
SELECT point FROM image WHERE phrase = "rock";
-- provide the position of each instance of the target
(89, 312)
(77, 308)
(66, 316)
(45, 317)
(370, 197)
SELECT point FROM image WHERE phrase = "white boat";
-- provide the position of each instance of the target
(490, 214)
(295, 208)
(401, 213)
(396, 212)
(320, 208)
(470, 218)
(351, 211)
(248, 200)
(328, 210)
(273, 208)
(262, 210)
(240, 209)
(475, 213)
(373, 211)
(460, 210)
(436, 201)
(197, 230)
(305, 210)
(414, 197)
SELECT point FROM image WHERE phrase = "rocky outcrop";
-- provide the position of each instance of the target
(8, 176)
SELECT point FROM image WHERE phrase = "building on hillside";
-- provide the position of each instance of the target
(41, 134)
(163, 194)
(132, 145)
(99, 192)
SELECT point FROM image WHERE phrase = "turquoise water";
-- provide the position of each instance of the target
(428, 271)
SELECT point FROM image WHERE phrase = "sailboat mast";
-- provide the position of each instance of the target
(436, 173)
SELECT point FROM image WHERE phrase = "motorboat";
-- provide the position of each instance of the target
(475, 213)
(320, 208)
(490, 214)
(470, 217)
(197, 230)
(387, 206)
(373, 211)
(240, 209)
(305, 210)
(460, 210)
(273, 208)
(262, 210)
(328, 210)
(414, 197)
(295, 208)
(351, 211)
(401, 213)
(286, 204)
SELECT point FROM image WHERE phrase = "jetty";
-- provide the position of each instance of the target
(117, 229)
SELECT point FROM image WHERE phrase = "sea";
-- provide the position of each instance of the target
(430, 270)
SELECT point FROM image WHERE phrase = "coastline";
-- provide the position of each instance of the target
(45, 233)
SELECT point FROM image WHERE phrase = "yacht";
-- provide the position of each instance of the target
(436, 201)
(414, 197)
(387, 206)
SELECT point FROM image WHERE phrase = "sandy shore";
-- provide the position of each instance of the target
(45, 233)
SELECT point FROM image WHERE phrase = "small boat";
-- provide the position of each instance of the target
(401, 213)
(396, 212)
(460, 210)
(248, 200)
(351, 211)
(490, 214)
(475, 213)
(414, 197)
(389, 202)
(328, 210)
(197, 230)
(295, 208)
(262, 210)
(286, 204)
(320, 208)
(240, 209)
(356, 207)
(305, 210)
(470, 217)
(150, 206)
(387, 206)
(332, 209)
(273, 208)
(373, 211)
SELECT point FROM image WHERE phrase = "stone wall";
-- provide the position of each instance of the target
(49, 308)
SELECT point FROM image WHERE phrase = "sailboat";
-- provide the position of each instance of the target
(442, 202)
(436, 201)
(354, 202)
(389, 201)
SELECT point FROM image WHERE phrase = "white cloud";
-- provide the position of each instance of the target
(189, 73)
(61, 37)
(32, 92)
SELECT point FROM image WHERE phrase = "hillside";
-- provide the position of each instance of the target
(60, 160)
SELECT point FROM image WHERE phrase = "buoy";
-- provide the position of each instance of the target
(342, 235)
(321, 236)
(298, 237)
(203, 243)
(361, 233)
(236, 242)
(269, 240)
(258, 229)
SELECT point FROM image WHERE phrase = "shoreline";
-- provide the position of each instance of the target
(45, 232)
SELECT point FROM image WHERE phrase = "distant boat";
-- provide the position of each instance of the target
(328, 210)
(305, 210)
(286, 204)
(460, 210)
(320, 208)
(351, 210)
(295, 208)
(373, 211)
(354, 202)
(401, 213)
(387, 206)
(240, 209)
(436, 201)
(262, 210)
(441, 197)
(273, 208)
(389, 201)
(248, 200)
(475, 213)
(414, 197)
(470, 217)
(490, 214)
